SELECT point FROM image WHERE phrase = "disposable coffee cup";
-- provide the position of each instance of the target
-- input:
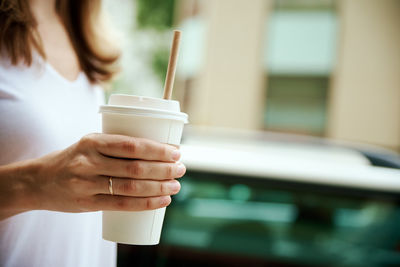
(145, 117)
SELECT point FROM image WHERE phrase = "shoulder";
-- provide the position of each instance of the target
(17, 76)
(9, 70)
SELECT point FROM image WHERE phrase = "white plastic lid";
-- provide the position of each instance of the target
(144, 106)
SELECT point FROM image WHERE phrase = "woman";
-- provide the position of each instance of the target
(53, 176)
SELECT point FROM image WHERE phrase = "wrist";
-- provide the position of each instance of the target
(18, 187)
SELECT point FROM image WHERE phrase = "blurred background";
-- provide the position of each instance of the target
(293, 74)
(319, 67)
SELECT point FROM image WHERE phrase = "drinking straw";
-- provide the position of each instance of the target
(173, 57)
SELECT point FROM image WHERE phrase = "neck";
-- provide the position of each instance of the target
(43, 10)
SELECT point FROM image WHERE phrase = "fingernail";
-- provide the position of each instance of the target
(175, 186)
(165, 201)
(176, 155)
(181, 169)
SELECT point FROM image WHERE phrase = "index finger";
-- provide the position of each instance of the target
(121, 146)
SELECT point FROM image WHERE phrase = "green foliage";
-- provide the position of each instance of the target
(155, 14)
(159, 62)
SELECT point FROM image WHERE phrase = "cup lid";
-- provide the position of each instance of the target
(144, 106)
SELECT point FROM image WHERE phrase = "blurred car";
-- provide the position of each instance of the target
(267, 199)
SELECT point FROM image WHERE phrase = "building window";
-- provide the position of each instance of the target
(296, 104)
(299, 60)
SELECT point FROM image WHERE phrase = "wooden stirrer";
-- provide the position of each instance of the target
(173, 58)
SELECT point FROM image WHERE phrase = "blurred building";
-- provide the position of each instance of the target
(326, 68)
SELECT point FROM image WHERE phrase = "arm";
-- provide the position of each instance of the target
(16, 188)
(76, 179)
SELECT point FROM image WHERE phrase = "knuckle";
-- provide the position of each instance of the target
(129, 187)
(135, 169)
(79, 163)
(148, 204)
(93, 162)
(163, 188)
(139, 170)
(88, 140)
(169, 170)
(130, 145)
(122, 203)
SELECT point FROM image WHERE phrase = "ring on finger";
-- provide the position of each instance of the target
(110, 185)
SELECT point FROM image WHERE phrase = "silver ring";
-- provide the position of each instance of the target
(110, 186)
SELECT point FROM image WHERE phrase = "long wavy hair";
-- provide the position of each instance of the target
(84, 24)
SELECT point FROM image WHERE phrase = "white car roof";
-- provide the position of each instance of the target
(244, 155)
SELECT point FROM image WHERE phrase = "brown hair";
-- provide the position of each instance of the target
(18, 35)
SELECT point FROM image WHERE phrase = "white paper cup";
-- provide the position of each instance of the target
(145, 117)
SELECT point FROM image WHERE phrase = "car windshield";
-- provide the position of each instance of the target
(271, 221)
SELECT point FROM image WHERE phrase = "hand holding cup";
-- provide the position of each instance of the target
(77, 179)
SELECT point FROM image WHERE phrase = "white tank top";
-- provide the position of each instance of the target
(40, 112)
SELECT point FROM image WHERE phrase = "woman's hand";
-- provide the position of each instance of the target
(77, 179)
